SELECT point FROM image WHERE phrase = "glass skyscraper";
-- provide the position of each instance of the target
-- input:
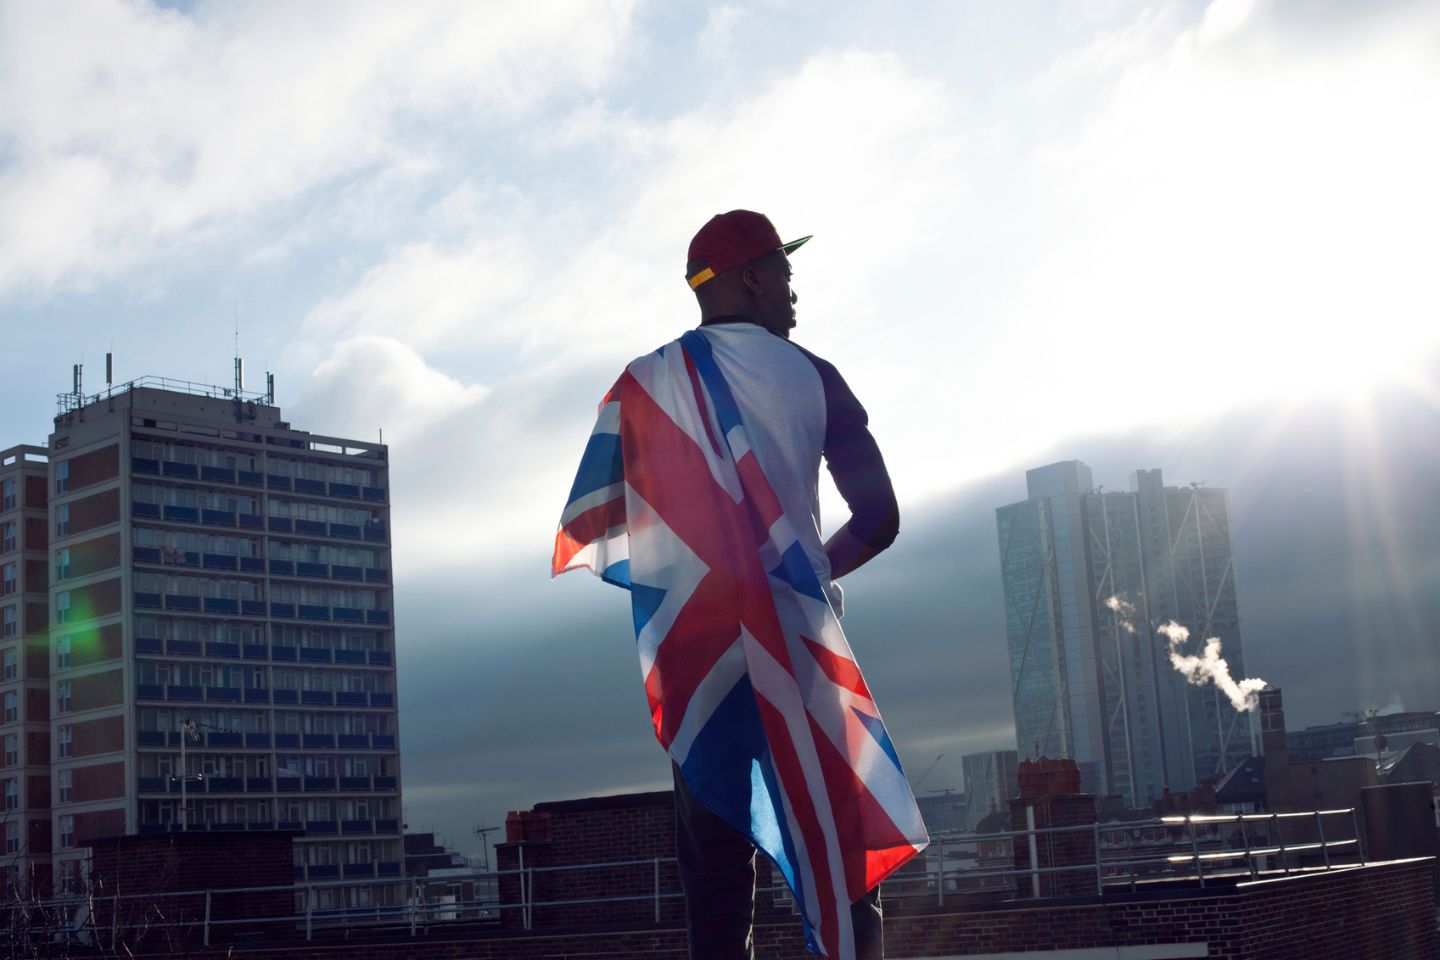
(1094, 683)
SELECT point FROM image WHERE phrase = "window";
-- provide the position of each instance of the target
(67, 831)
(62, 653)
(65, 740)
(9, 579)
(7, 536)
(64, 696)
(12, 749)
(12, 836)
(62, 476)
(69, 876)
(12, 794)
(10, 657)
(62, 520)
(62, 564)
(62, 607)
(12, 706)
(65, 780)
(12, 621)
(7, 495)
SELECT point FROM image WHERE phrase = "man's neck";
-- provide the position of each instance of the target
(726, 318)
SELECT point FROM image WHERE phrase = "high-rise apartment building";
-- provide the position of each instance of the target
(221, 648)
(992, 780)
(1093, 683)
(25, 662)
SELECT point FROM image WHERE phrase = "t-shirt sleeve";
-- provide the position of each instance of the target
(853, 458)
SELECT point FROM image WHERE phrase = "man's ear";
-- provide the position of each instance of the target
(750, 276)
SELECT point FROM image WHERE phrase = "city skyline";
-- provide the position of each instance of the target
(1090, 578)
(1053, 232)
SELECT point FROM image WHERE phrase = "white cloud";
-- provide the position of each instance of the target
(127, 128)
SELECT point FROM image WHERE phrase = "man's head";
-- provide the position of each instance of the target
(738, 267)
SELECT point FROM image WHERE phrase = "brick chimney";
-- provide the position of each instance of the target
(1278, 794)
(1050, 797)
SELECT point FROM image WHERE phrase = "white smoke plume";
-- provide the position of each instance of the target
(1126, 609)
(1211, 667)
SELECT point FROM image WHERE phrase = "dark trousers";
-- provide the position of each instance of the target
(717, 870)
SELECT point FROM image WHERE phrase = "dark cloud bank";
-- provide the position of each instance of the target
(516, 690)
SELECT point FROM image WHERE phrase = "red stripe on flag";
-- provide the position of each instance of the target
(797, 791)
(700, 404)
(842, 671)
(762, 497)
(705, 628)
(861, 823)
(586, 529)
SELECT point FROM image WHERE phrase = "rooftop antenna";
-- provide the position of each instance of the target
(75, 372)
(269, 388)
(239, 364)
(483, 833)
(109, 370)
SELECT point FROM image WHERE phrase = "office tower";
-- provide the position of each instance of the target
(991, 782)
(223, 648)
(24, 653)
(1084, 685)
(943, 811)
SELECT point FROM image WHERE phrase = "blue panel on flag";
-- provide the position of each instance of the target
(644, 601)
(795, 570)
(618, 574)
(726, 410)
(600, 466)
(877, 730)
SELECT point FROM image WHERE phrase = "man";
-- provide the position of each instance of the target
(700, 492)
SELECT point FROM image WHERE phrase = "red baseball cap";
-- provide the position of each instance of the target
(730, 240)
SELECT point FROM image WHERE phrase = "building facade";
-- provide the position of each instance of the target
(25, 828)
(1091, 679)
(991, 782)
(222, 642)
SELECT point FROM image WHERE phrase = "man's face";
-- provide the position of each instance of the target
(775, 299)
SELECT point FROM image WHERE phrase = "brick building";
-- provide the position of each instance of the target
(199, 633)
(25, 827)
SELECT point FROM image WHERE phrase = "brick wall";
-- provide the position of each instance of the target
(93, 511)
(92, 556)
(1056, 850)
(37, 791)
(105, 735)
(94, 467)
(105, 689)
(1380, 912)
(37, 833)
(37, 705)
(94, 824)
(37, 659)
(37, 491)
(181, 862)
(37, 618)
(37, 533)
(96, 645)
(37, 576)
(99, 782)
(95, 600)
(37, 747)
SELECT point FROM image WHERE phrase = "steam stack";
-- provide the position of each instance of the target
(1278, 794)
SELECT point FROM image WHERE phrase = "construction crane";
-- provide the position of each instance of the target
(926, 773)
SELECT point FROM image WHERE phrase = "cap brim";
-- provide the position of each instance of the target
(793, 245)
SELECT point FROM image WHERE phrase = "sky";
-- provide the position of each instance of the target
(1198, 236)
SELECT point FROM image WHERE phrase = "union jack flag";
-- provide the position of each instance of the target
(752, 687)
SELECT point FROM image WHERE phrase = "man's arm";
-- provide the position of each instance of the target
(860, 475)
(854, 460)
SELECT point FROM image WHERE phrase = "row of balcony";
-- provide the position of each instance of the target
(229, 606)
(277, 568)
(199, 784)
(250, 478)
(371, 532)
(176, 693)
(262, 651)
(212, 739)
(349, 871)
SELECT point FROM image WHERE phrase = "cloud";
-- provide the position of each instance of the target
(369, 382)
(129, 129)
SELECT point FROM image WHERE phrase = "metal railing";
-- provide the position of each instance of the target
(68, 402)
(1122, 856)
